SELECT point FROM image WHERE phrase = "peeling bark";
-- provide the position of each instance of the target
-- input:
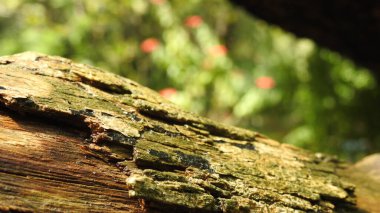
(141, 147)
(47, 168)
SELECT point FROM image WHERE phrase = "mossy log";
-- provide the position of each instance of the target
(77, 138)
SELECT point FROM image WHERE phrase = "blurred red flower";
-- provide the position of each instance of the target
(218, 50)
(265, 82)
(167, 92)
(157, 2)
(193, 21)
(149, 45)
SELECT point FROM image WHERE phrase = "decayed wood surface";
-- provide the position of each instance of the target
(130, 149)
(47, 168)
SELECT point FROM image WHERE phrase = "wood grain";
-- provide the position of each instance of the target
(46, 168)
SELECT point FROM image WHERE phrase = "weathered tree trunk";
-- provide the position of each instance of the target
(76, 138)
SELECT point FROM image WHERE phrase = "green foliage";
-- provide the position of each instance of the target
(217, 60)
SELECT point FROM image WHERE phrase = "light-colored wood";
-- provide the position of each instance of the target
(46, 168)
(365, 174)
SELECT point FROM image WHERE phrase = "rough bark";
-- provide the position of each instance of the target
(349, 27)
(90, 140)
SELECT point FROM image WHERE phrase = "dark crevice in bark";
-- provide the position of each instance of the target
(73, 124)
(144, 164)
(215, 130)
(159, 207)
(109, 88)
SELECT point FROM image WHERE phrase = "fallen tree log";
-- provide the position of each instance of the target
(77, 138)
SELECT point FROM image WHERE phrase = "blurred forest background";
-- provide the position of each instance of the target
(211, 58)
